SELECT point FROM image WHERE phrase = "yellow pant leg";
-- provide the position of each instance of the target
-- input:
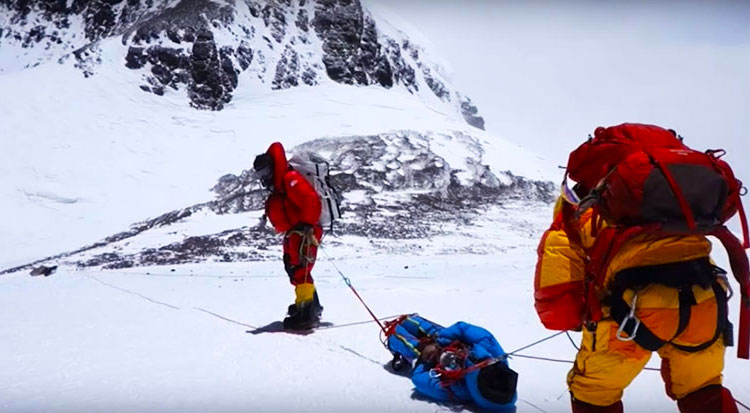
(684, 372)
(605, 366)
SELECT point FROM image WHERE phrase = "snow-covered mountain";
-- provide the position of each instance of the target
(104, 128)
(205, 49)
(127, 128)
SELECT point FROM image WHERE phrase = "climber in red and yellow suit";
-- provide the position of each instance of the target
(605, 365)
(293, 209)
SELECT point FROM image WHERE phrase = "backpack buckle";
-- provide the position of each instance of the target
(626, 320)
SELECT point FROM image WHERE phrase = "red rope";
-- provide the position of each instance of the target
(365, 305)
(349, 283)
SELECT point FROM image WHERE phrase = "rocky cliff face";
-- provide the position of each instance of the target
(207, 49)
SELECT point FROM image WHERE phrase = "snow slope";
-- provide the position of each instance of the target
(173, 339)
(83, 158)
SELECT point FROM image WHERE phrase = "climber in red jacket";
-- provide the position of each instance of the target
(294, 209)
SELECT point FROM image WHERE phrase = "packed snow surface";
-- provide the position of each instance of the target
(174, 339)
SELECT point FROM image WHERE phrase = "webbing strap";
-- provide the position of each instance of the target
(650, 341)
(686, 300)
(741, 269)
(608, 243)
(406, 342)
(450, 377)
(743, 222)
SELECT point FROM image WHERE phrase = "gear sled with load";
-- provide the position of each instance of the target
(461, 363)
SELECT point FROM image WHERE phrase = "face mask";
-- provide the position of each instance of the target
(263, 166)
(265, 175)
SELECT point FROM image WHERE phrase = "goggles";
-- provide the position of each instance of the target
(450, 360)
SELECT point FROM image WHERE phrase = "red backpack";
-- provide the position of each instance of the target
(643, 179)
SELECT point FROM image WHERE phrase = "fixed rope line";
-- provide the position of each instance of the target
(565, 361)
(355, 323)
(567, 333)
(535, 343)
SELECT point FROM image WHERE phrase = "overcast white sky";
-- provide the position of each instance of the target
(546, 74)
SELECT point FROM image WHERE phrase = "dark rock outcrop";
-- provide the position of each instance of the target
(471, 114)
(203, 46)
(352, 52)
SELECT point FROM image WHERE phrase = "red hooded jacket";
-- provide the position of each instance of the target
(293, 201)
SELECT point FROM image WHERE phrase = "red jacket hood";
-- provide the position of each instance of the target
(280, 165)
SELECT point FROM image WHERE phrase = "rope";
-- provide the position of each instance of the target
(566, 361)
(567, 333)
(535, 343)
(544, 359)
(355, 323)
(742, 404)
(349, 283)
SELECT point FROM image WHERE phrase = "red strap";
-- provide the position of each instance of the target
(743, 221)
(570, 224)
(743, 345)
(741, 270)
(390, 326)
(678, 193)
(608, 243)
(450, 377)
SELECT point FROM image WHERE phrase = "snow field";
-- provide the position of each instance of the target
(148, 339)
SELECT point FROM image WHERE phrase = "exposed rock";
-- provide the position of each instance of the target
(211, 86)
(471, 113)
(201, 46)
(287, 70)
(394, 178)
(352, 51)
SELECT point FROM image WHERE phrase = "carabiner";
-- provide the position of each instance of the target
(627, 319)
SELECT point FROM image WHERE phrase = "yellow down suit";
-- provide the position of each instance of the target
(606, 364)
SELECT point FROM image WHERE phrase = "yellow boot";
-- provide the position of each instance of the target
(304, 314)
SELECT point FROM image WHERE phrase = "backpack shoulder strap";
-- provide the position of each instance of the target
(609, 242)
(741, 270)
